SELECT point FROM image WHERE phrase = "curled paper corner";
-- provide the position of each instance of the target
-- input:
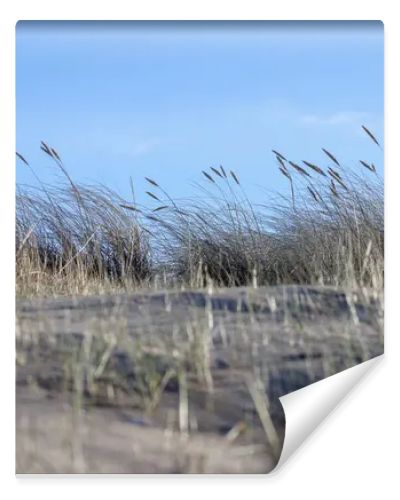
(306, 408)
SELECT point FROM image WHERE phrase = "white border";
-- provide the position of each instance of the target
(354, 453)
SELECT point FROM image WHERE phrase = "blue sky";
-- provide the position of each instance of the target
(167, 100)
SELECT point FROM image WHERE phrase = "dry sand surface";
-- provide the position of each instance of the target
(177, 381)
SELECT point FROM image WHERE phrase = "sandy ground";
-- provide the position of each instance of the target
(240, 351)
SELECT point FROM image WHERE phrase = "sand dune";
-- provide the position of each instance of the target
(177, 381)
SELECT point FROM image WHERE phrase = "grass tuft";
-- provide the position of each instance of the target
(76, 239)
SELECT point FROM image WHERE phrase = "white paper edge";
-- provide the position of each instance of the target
(306, 408)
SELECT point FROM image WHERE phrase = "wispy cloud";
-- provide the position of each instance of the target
(338, 118)
(122, 143)
(143, 147)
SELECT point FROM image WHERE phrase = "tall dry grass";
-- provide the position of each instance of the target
(72, 238)
(329, 230)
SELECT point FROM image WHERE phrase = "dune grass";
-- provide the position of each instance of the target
(77, 239)
(74, 239)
